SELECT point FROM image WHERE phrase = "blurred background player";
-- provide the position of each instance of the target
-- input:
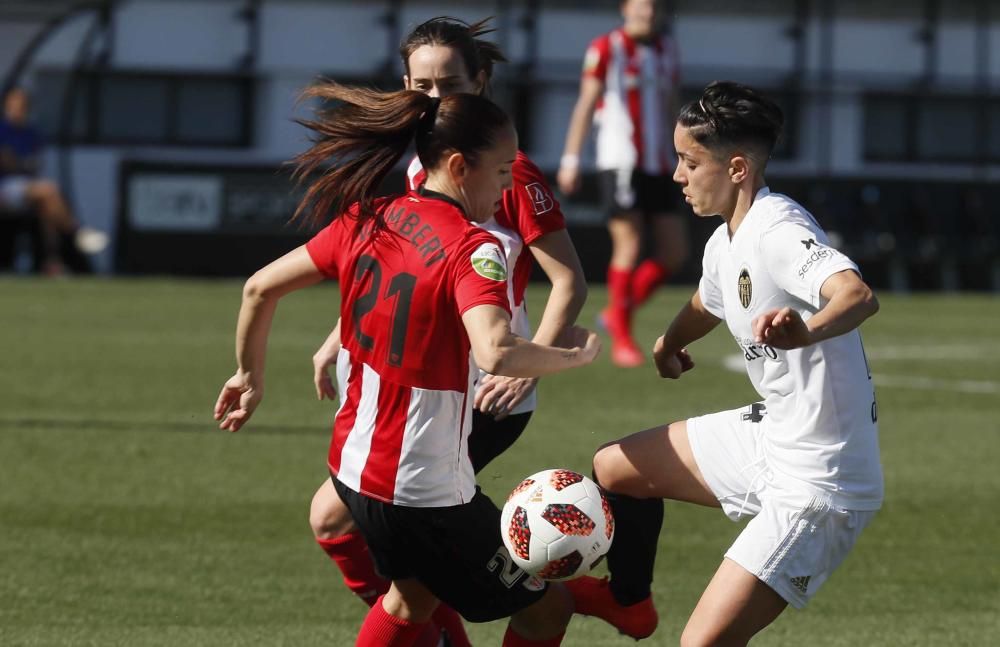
(629, 89)
(441, 57)
(423, 292)
(21, 190)
(804, 462)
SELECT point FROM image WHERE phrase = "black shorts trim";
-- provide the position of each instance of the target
(635, 190)
(456, 552)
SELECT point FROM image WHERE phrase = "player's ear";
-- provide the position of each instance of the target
(457, 167)
(406, 82)
(481, 82)
(739, 169)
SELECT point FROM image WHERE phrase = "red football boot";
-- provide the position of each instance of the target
(593, 598)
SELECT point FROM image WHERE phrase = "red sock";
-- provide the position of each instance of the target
(429, 637)
(645, 280)
(512, 639)
(619, 312)
(448, 620)
(380, 629)
(350, 552)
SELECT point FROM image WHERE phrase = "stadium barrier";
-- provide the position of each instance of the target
(230, 220)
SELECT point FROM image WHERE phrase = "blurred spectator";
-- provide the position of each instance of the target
(22, 191)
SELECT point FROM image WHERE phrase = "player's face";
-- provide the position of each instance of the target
(704, 176)
(438, 71)
(641, 17)
(485, 182)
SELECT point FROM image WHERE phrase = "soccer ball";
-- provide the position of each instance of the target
(557, 524)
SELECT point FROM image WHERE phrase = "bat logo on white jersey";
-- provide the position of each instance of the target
(745, 287)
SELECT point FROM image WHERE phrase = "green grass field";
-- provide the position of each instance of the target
(127, 518)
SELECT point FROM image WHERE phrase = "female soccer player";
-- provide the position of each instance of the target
(631, 80)
(424, 292)
(804, 462)
(444, 56)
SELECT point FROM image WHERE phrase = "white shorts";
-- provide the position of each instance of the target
(797, 537)
(14, 191)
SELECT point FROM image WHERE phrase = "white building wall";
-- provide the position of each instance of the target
(300, 39)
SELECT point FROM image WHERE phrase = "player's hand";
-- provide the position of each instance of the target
(498, 395)
(578, 337)
(782, 329)
(237, 402)
(323, 359)
(568, 180)
(671, 365)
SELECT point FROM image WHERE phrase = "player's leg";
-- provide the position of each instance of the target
(399, 617)
(624, 222)
(544, 623)
(625, 230)
(667, 255)
(782, 557)
(655, 463)
(638, 472)
(466, 565)
(735, 606)
(338, 536)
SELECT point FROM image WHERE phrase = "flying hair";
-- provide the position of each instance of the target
(357, 142)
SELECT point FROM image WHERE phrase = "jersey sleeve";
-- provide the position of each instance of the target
(595, 61)
(708, 286)
(800, 260)
(480, 273)
(325, 247)
(530, 204)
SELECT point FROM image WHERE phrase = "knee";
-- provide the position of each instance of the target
(607, 467)
(329, 517)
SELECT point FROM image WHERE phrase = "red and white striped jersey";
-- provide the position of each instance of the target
(633, 118)
(405, 372)
(528, 211)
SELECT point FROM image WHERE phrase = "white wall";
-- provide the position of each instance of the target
(300, 39)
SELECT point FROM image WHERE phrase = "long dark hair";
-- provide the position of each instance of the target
(478, 54)
(731, 115)
(357, 142)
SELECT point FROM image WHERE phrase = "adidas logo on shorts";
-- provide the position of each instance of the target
(801, 583)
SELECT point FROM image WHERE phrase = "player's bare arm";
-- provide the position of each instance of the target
(568, 177)
(325, 357)
(849, 302)
(500, 352)
(691, 324)
(244, 390)
(555, 254)
(557, 257)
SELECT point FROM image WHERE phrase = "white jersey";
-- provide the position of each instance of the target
(819, 399)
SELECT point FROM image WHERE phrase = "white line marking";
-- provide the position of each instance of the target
(935, 352)
(982, 387)
(737, 364)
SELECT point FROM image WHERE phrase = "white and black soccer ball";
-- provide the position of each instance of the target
(557, 524)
